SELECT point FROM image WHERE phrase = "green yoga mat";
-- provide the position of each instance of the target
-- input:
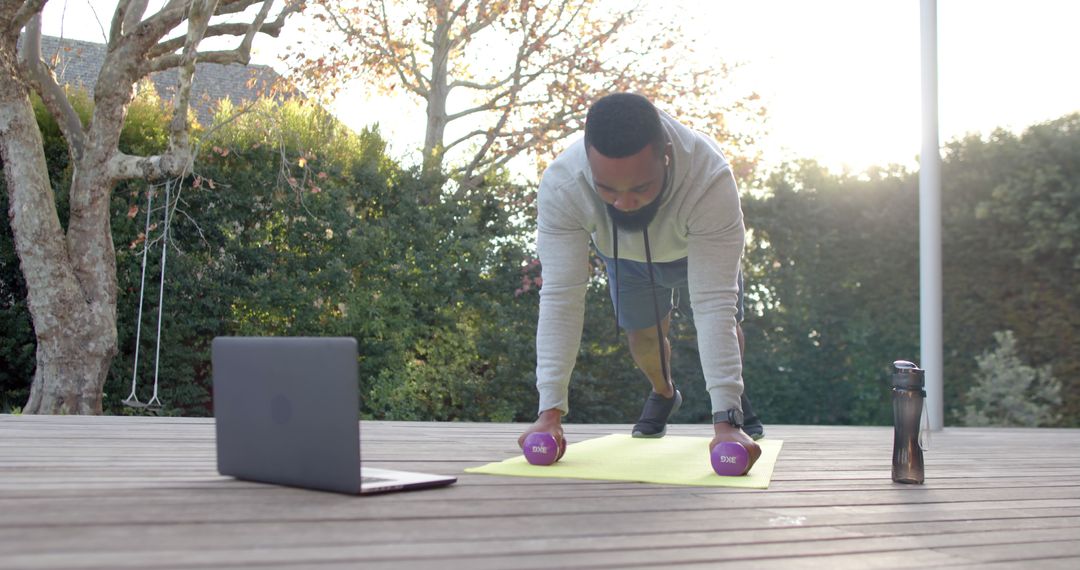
(671, 460)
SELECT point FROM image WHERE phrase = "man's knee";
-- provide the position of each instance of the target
(641, 336)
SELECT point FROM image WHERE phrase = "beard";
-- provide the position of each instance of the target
(637, 220)
(640, 218)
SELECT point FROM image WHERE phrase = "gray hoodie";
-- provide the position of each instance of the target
(699, 218)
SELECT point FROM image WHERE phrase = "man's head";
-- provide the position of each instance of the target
(628, 154)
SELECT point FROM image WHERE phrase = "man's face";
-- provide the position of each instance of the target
(630, 186)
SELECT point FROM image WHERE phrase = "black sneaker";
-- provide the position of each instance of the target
(655, 414)
(751, 422)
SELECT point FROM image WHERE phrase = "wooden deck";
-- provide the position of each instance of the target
(114, 492)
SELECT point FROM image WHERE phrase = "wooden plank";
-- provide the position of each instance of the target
(627, 552)
(425, 535)
(134, 492)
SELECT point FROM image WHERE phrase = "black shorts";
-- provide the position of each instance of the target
(635, 292)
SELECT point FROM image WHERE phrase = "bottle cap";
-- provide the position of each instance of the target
(907, 375)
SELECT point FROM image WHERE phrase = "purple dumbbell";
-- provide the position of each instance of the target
(730, 459)
(541, 448)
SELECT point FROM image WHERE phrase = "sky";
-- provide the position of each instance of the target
(840, 78)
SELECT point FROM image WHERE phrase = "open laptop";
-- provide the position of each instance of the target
(287, 412)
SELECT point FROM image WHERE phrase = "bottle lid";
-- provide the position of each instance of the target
(907, 375)
(904, 366)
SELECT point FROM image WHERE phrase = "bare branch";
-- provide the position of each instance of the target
(52, 94)
(124, 166)
(162, 55)
(126, 17)
(116, 26)
(133, 13)
(171, 61)
(484, 19)
(491, 105)
(272, 29)
(256, 26)
(199, 15)
(237, 6)
(481, 153)
(241, 54)
(423, 85)
(480, 86)
(474, 134)
(28, 10)
(155, 27)
(420, 88)
(462, 8)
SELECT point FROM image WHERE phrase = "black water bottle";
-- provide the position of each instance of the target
(908, 394)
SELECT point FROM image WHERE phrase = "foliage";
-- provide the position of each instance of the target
(1010, 204)
(831, 278)
(1008, 392)
(17, 342)
(69, 267)
(294, 225)
(502, 79)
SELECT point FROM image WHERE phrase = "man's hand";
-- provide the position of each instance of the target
(727, 432)
(550, 421)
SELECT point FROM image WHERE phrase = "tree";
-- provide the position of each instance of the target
(831, 273)
(1008, 392)
(70, 269)
(1011, 260)
(520, 73)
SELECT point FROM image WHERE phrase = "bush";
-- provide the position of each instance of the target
(1008, 392)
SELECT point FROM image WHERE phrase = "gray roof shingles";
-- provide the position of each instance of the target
(77, 63)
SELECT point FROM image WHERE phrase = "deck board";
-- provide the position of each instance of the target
(125, 492)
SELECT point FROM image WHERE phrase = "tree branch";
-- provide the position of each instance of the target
(460, 140)
(272, 29)
(480, 86)
(420, 88)
(489, 106)
(380, 47)
(482, 21)
(126, 17)
(152, 29)
(124, 166)
(237, 6)
(52, 94)
(28, 10)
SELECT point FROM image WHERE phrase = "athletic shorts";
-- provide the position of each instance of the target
(635, 293)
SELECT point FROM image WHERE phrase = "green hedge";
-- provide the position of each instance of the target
(293, 225)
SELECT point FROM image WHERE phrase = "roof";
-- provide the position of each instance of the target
(77, 63)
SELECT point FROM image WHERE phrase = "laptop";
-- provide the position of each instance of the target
(287, 412)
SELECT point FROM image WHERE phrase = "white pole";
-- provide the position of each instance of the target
(930, 224)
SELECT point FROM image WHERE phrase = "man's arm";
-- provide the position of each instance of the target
(563, 247)
(716, 240)
(716, 236)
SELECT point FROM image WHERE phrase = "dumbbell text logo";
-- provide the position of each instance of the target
(539, 449)
(728, 459)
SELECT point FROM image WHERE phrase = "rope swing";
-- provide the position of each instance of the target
(132, 401)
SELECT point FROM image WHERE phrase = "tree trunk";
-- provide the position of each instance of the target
(71, 281)
(435, 132)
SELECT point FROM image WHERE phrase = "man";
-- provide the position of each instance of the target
(659, 203)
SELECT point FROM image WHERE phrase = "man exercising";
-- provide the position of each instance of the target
(659, 202)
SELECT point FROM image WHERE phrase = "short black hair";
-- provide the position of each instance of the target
(621, 124)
